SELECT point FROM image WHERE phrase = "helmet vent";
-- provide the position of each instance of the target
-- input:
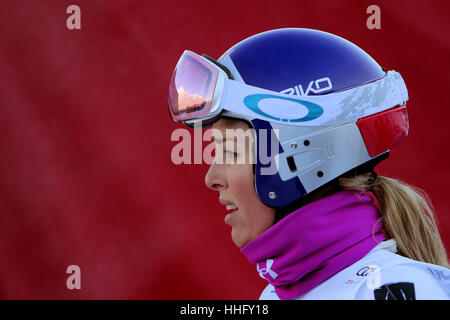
(291, 163)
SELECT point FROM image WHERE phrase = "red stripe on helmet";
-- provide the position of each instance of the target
(384, 130)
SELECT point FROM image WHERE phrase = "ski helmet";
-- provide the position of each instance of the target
(334, 108)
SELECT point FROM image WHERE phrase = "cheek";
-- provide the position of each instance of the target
(254, 216)
(241, 184)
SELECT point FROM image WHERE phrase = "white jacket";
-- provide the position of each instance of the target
(381, 275)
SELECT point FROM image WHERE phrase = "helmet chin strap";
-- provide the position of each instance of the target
(327, 189)
(331, 187)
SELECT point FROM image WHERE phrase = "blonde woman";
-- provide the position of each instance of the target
(300, 118)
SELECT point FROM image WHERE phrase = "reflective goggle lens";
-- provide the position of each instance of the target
(192, 87)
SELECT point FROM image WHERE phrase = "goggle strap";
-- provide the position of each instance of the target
(221, 66)
(388, 92)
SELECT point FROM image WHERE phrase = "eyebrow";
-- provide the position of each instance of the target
(213, 139)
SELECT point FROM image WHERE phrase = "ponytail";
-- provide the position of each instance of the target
(407, 216)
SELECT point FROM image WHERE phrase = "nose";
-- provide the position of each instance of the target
(215, 178)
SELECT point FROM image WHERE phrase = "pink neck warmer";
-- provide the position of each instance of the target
(315, 242)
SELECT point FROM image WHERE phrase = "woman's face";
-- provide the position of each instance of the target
(231, 174)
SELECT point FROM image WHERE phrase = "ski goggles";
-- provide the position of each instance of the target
(202, 90)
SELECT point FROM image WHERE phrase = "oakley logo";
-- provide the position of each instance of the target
(314, 86)
(263, 271)
(314, 110)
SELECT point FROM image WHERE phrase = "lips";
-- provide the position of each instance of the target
(229, 205)
(231, 209)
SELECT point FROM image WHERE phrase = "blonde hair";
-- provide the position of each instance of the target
(407, 216)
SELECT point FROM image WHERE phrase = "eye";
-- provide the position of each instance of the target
(231, 153)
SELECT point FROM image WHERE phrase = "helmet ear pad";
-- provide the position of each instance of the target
(270, 188)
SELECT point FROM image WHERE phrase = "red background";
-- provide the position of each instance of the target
(85, 171)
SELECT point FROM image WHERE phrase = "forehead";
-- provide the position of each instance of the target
(226, 123)
(226, 129)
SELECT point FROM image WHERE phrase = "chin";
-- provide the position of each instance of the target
(239, 239)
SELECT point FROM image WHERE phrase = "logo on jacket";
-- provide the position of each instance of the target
(263, 271)
(363, 272)
(396, 291)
